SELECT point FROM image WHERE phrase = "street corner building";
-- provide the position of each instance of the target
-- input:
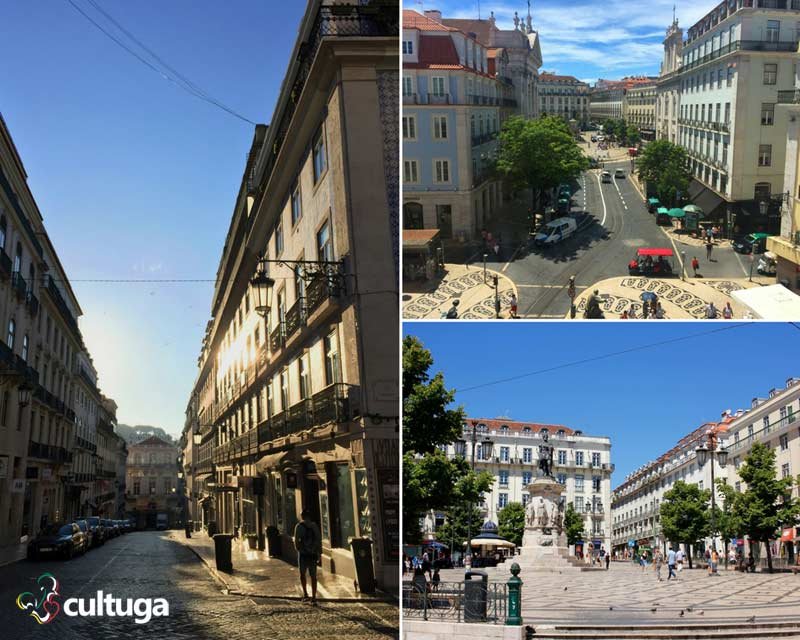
(152, 500)
(296, 402)
(60, 457)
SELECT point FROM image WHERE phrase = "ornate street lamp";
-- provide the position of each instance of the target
(711, 451)
(24, 394)
(262, 287)
(197, 437)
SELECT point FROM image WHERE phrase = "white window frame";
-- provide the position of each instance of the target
(434, 86)
(436, 127)
(408, 164)
(408, 47)
(410, 128)
(408, 86)
(439, 165)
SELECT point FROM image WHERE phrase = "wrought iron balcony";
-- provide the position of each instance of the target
(5, 265)
(789, 97)
(63, 308)
(32, 303)
(277, 339)
(295, 318)
(19, 285)
(49, 452)
(319, 289)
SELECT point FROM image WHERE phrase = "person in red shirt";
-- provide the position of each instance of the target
(695, 265)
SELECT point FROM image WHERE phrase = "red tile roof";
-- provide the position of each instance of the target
(514, 426)
(415, 20)
(551, 77)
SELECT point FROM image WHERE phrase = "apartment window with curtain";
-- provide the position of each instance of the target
(773, 30)
(770, 73)
(767, 113)
(410, 171)
(764, 155)
(409, 127)
(284, 382)
(12, 328)
(408, 88)
(440, 127)
(437, 86)
(333, 367)
(305, 379)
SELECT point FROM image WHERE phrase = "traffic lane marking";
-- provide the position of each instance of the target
(741, 264)
(602, 199)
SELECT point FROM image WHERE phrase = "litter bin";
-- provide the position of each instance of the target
(274, 541)
(362, 556)
(222, 552)
(188, 528)
(475, 595)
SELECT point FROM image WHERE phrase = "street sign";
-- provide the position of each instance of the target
(18, 485)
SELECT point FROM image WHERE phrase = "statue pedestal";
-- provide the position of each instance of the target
(544, 544)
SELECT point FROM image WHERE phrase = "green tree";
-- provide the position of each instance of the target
(454, 531)
(684, 514)
(632, 135)
(725, 520)
(573, 525)
(431, 479)
(662, 166)
(539, 154)
(767, 503)
(609, 127)
(511, 522)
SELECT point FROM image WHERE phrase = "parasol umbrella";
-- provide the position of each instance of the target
(676, 213)
(648, 296)
(693, 208)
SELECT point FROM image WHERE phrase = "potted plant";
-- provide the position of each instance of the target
(273, 540)
(252, 540)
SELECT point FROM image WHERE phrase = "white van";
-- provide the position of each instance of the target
(555, 231)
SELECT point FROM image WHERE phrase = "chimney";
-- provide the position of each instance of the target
(434, 14)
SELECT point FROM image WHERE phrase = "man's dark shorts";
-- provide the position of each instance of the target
(307, 564)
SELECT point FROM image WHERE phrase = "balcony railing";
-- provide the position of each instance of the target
(32, 303)
(277, 338)
(295, 318)
(789, 97)
(48, 452)
(26, 224)
(5, 265)
(62, 306)
(19, 285)
(299, 417)
(434, 98)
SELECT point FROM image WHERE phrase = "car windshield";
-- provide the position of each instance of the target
(82, 524)
(94, 521)
(57, 529)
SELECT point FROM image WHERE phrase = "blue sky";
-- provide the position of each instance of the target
(134, 177)
(645, 401)
(587, 39)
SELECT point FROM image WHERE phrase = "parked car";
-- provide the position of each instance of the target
(112, 531)
(98, 531)
(161, 521)
(752, 243)
(121, 525)
(59, 538)
(87, 531)
(619, 173)
(127, 525)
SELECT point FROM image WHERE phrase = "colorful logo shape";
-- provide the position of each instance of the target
(42, 607)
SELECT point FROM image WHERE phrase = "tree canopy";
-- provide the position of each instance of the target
(573, 525)
(662, 165)
(511, 522)
(684, 514)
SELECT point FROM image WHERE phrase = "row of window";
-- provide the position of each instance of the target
(440, 173)
(438, 87)
(527, 477)
(485, 453)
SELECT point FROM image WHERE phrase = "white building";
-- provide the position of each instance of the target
(582, 463)
(774, 421)
(564, 96)
(639, 109)
(734, 61)
(668, 85)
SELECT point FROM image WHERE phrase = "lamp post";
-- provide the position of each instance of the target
(708, 452)
(460, 447)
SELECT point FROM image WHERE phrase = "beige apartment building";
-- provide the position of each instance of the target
(296, 404)
(565, 97)
(639, 109)
(151, 483)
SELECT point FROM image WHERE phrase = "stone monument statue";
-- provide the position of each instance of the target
(546, 457)
(542, 513)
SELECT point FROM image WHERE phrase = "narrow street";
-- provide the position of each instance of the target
(150, 565)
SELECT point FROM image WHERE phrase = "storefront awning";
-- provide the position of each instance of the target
(704, 197)
(270, 461)
(202, 476)
(337, 454)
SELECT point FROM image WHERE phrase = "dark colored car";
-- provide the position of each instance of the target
(98, 531)
(111, 530)
(121, 525)
(60, 538)
(87, 531)
(753, 243)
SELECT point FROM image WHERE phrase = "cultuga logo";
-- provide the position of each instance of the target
(44, 608)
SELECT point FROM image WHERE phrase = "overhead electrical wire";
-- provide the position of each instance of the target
(166, 71)
(604, 356)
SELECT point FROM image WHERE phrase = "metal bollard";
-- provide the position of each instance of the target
(514, 598)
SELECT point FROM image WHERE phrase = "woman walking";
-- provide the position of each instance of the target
(658, 560)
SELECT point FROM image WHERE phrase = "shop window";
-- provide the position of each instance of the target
(345, 524)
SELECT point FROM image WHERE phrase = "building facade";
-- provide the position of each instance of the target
(605, 101)
(582, 463)
(637, 500)
(295, 405)
(39, 368)
(639, 109)
(151, 482)
(734, 62)
(668, 85)
(786, 245)
(453, 109)
(564, 96)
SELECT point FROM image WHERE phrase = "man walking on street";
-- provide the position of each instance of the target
(513, 305)
(308, 542)
(709, 248)
(679, 556)
(671, 561)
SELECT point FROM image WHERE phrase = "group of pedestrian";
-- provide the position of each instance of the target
(712, 313)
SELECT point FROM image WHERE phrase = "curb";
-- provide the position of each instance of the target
(237, 592)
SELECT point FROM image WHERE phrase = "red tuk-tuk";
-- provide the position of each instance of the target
(651, 261)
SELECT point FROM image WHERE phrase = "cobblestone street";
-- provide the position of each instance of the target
(151, 565)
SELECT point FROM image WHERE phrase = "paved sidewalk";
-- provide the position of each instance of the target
(13, 553)
(680, 299)
(256, 574)
(465, 283)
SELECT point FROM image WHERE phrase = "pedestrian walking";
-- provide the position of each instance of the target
(711, 311)
(695, 265)
(624, 315)
(727, 312)
(513, 305)
(308, 543)
(659, 313)
(658, 561)
(679, 557)
(643, 560)
(436, 579)
(672, 560)
(714, 560)
(709, 248)
(608, 560)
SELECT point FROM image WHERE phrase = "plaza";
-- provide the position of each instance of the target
(627, 595)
